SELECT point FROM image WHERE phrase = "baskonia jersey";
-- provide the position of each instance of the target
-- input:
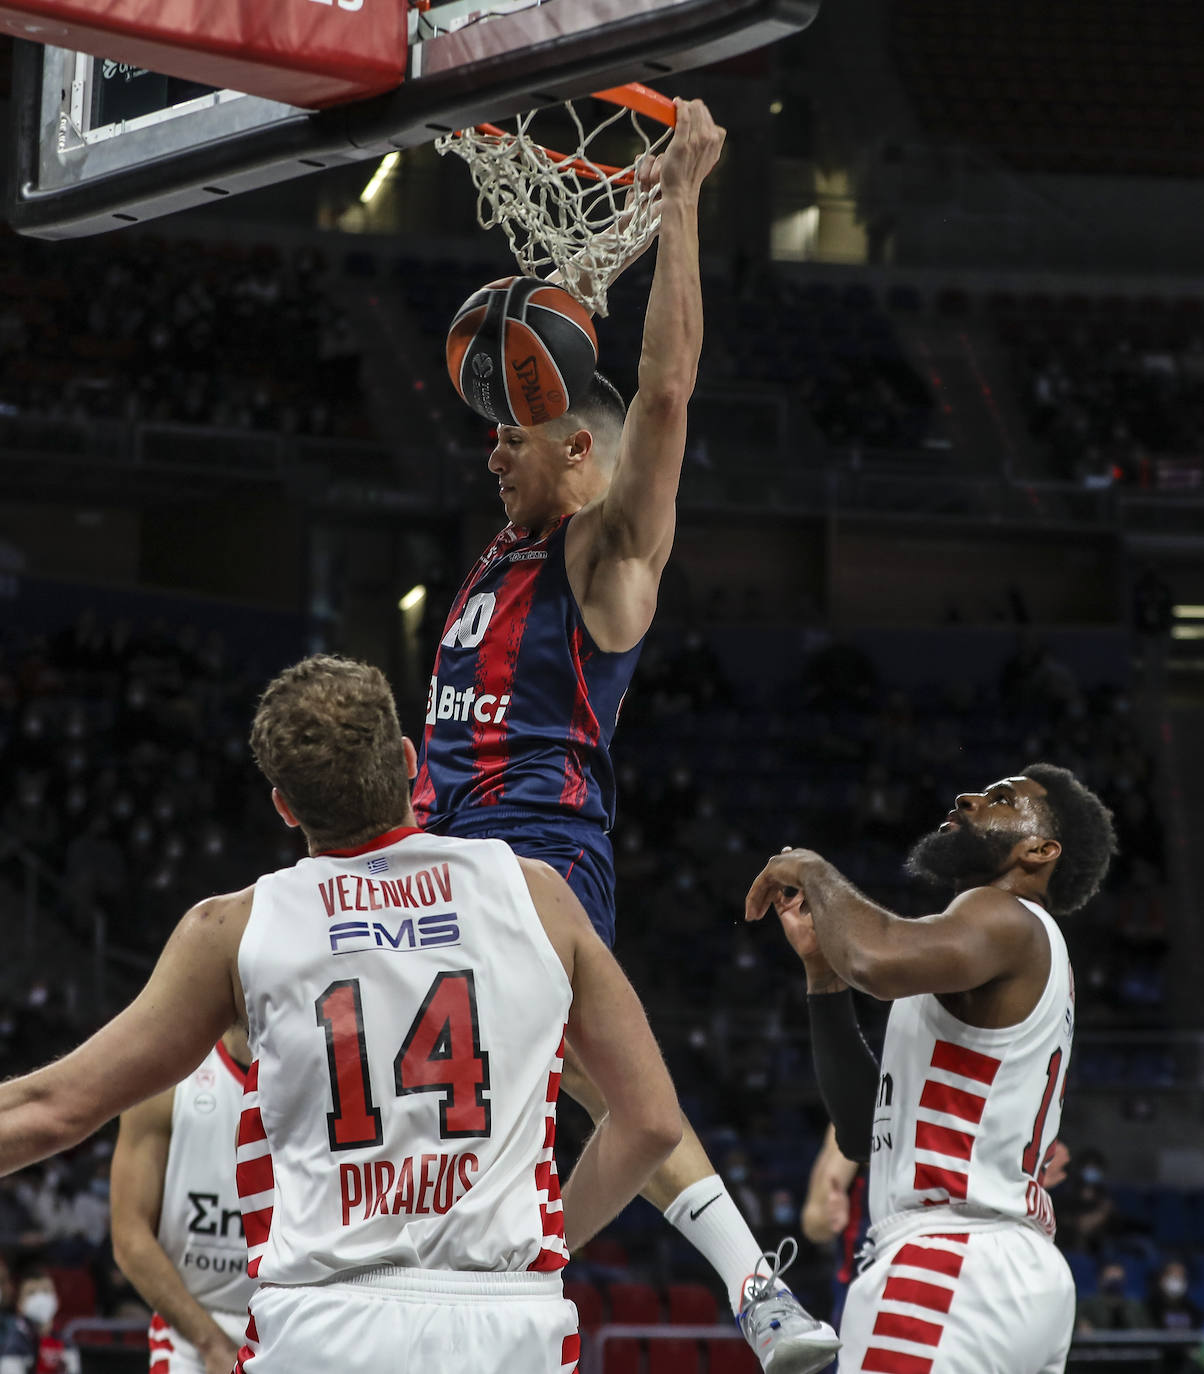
(967, 1117)
(406, 1012)
(200, 1221)
(522, 703)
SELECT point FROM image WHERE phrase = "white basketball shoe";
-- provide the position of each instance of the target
(783, 1334)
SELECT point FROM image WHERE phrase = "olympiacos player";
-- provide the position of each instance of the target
(405, 997)
(176, 1220)
(959, 1121)
(539, 648)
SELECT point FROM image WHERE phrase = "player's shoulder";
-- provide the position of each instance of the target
(221, 915)
(1004, 912)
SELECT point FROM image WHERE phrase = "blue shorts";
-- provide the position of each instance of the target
(578, 850)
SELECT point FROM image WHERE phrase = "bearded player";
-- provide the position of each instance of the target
(959, 1122)
(539, 648)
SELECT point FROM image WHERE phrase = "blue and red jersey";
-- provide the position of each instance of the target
(522, 703)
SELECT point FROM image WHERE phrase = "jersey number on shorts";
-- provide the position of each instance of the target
(441, 1052)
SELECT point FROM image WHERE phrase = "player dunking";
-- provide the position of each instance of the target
(177, 1224)
(540, 646)
(959, 1121)
(406, 998)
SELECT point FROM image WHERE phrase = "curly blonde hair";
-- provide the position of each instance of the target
(326, 735)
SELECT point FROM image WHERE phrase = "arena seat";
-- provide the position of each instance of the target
(674, 1357)
(622, 1357)
(731, 1357)
(77, 1292)
(691, 1304)
(636, 1304)
(588, 1301)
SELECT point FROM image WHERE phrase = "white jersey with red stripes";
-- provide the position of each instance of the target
(966, 1117)
(200, 1221)
(406, 1014)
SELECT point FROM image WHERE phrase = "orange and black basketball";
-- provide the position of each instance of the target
(521, 352)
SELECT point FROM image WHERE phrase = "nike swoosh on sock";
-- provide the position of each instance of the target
(695, 1215)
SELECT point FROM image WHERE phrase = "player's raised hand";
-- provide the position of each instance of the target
(693, 150)
(799, 928)
(778, 883)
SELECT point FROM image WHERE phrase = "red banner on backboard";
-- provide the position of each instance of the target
(302, 52)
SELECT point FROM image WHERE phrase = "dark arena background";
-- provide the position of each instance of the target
(942, 514)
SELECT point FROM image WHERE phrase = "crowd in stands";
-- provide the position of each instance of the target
(131, 779)
(252, 338)
(1084, 86)
(130, 775)
(1113, 388)
(130, 328)
(834, 353)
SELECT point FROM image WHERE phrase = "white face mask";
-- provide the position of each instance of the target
(40, 1307)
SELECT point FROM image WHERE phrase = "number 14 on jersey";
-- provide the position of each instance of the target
(441, 1052)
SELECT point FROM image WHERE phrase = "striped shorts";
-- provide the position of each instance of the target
(991, 1301)
(170, 1353)
(413, 1321)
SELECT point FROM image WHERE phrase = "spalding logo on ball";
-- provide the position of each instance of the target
(521, 352)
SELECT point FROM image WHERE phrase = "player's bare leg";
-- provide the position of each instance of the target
(695, 1200)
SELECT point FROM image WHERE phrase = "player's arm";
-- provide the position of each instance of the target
(647, 177)
(826, 1209)
(846, 1069)
(612, 1038)
(620, 546)
(983, 935)
(190, 998)
(139, 1168)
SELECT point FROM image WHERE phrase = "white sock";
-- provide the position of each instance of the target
(708, 1218)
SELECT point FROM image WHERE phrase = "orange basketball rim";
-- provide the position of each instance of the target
(633, 96)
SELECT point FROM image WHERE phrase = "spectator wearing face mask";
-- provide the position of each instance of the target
(30, 1344)
(737, 1174)
(1085, 1209)
(1111, 1308)
(1170, 1307)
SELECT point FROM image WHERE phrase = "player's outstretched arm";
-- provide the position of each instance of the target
(983, 934)
(612, 1038)
(630, 532)
(139, 1168)
(825, 1211)
(190, 998)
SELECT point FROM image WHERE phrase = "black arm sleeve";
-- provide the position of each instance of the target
(846, 1071)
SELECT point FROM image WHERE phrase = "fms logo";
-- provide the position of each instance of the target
(356, 937)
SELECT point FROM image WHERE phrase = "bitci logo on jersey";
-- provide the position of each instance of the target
(445, 703)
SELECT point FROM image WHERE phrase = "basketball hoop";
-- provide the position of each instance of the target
(584, 217)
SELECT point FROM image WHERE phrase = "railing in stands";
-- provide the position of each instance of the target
(365, 475)
(44, 893)
(1124, 1352)
(121, 1344)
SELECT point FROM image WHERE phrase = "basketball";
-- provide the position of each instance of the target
(520, 352)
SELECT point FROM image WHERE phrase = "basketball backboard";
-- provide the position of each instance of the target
(96, 145)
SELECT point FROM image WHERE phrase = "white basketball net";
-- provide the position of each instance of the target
(563, 210)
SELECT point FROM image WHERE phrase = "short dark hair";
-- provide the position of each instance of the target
(326, 734)
(603, 411)
(1082, 825)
